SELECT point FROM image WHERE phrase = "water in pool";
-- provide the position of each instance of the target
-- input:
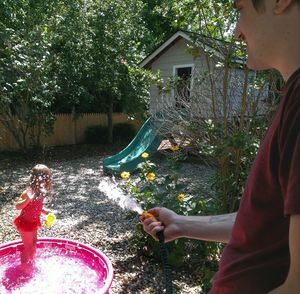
(53, 271)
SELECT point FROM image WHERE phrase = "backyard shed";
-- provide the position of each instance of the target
(195, 62)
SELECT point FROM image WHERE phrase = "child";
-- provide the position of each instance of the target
(31, 205)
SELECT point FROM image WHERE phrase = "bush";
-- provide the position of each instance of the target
(123, 132)
(234, 153)
(151, 190)
(96, 134)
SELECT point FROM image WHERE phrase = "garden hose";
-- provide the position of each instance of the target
(164, 256)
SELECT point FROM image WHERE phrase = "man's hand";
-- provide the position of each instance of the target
(165, 220)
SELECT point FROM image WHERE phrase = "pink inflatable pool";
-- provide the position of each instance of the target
(60, 266)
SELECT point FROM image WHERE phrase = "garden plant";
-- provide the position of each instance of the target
(150, 189)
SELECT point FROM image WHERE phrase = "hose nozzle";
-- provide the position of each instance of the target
(160, 234)
(147, 214)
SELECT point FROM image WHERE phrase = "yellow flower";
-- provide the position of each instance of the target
(174, 148)
(125, 175)
(145, 155)
(150, 177)
(180, 197)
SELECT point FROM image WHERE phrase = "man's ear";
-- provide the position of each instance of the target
(282, 5)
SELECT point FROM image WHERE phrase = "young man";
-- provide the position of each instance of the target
(262, 254)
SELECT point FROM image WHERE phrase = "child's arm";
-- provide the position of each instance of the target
(45, 211)
(22, 201)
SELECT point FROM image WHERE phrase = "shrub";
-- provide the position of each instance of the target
(96, 134)
(234, 153)
(150, 190)
(123, 132)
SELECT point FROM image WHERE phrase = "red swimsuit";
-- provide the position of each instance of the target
(29, 218)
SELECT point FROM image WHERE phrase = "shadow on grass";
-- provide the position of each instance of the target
(150, 274)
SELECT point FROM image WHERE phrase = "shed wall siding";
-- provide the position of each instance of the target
(215, 90)
(177, 55)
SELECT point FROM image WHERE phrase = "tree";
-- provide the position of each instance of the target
(159, 17)
(68, 56)
(115, 32)
(229, 106)
(26, 86)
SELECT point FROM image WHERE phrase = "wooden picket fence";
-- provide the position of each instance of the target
(67, 130)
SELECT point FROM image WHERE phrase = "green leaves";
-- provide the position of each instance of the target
(66, 55)
(27, 87)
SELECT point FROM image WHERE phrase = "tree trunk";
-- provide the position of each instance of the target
(110, 120)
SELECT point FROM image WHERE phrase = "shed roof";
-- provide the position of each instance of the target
(217, 47)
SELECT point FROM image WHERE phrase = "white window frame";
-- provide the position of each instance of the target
(175, 67)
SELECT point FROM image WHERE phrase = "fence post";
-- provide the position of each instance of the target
(74, 126)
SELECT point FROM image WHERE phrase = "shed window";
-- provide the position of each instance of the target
(183, 86)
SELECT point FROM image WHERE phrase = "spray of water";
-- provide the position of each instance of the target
(110, 189)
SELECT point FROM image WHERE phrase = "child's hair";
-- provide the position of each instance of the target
(40, 173)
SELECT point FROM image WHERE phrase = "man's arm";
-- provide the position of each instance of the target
(209, 228)
(216, 228)
(292, 283)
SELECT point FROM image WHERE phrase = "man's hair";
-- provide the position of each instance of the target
(259, 4)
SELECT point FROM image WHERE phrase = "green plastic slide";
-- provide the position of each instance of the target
(147, 140)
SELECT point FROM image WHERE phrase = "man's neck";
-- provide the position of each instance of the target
(287, 41)
(289, 71)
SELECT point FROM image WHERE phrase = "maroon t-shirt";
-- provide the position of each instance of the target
(256, 259)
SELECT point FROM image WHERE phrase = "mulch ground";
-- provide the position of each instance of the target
(86, 215)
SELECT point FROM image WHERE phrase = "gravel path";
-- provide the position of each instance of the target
(86, 215)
